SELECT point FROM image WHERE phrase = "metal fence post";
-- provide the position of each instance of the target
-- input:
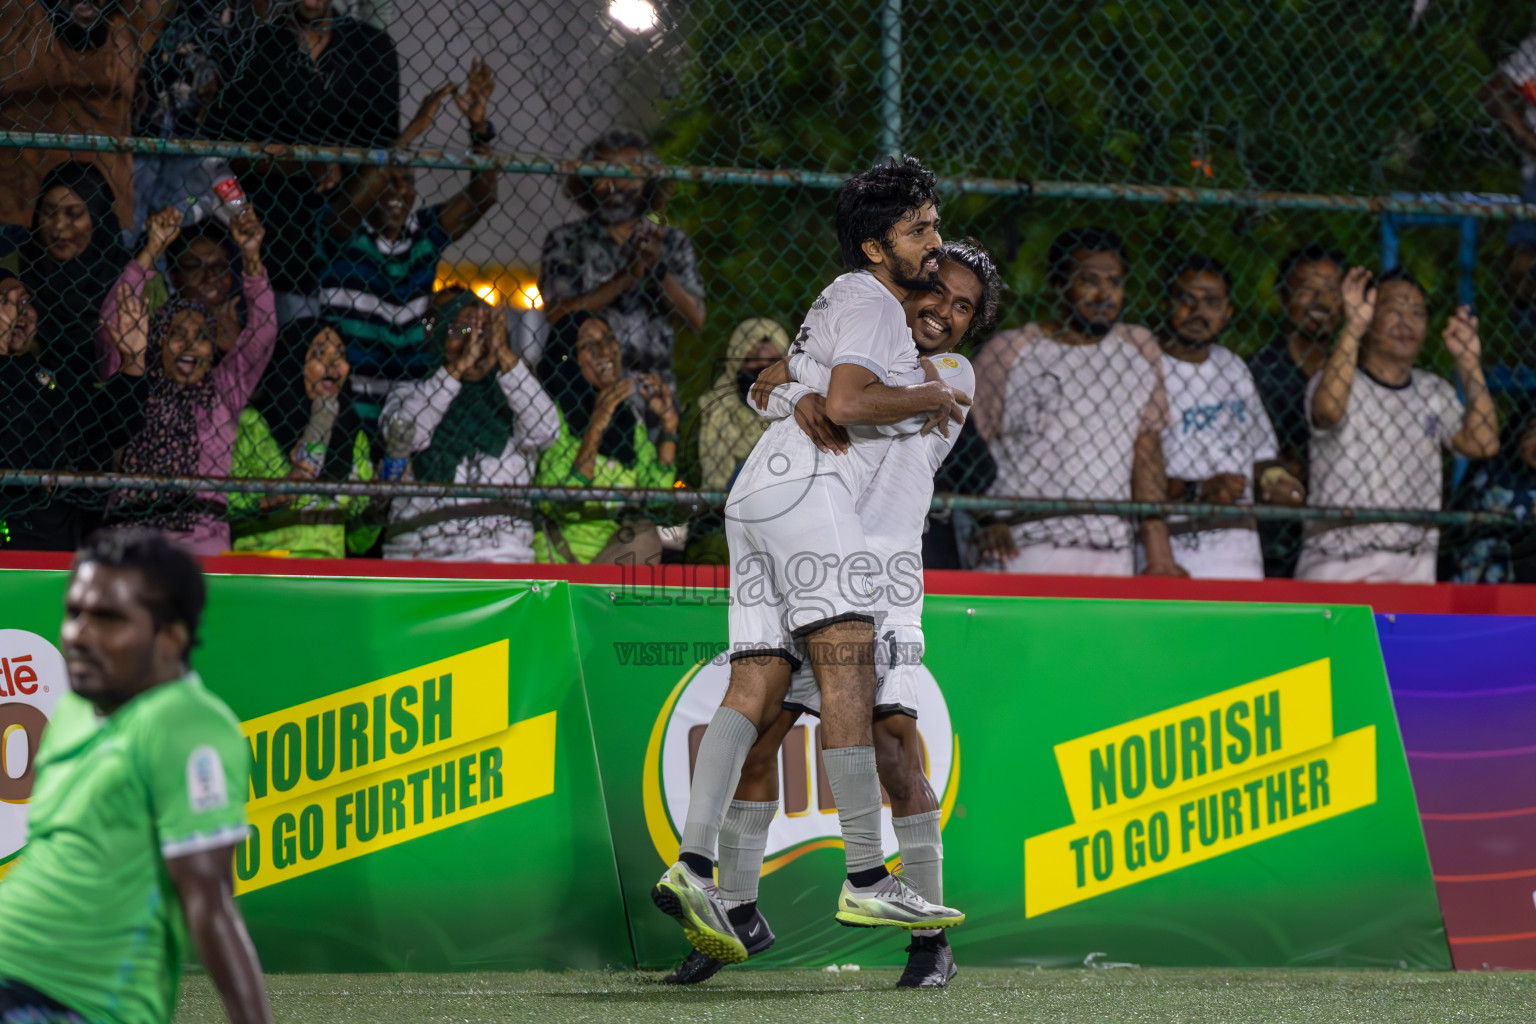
(890, 77)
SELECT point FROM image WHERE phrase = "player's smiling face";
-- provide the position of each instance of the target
(910, 252)
(111, 644)
(940, 316)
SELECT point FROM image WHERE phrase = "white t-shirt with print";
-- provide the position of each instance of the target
(1066, 427)
(1385, 453)
(1217, 420)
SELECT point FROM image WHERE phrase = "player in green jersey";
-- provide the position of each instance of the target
(138, 803)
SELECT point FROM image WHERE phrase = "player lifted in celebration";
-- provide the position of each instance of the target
(138, 804)
(800, 586)
(893, 513)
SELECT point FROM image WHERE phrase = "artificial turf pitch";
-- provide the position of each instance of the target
(1293, 996)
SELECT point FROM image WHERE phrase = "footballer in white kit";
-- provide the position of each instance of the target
(893, 514)
(791, 520)
(800, 588)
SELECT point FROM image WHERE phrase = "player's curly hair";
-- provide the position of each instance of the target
(610, 143)
(174, 590)
(973, 256)
(870, 204)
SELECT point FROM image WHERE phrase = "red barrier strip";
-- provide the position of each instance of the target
(1438, 599)
(1515, 812)
(1467, 940)
(1496, 876)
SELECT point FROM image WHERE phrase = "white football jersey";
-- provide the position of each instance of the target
(855, 320)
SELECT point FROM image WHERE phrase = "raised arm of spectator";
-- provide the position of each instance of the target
(414, 409)
(124, 304)
(1330, 396)
(238, 373)
(464, 210)
(1478, 437)
(536, 420)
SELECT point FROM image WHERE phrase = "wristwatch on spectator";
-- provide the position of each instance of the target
(484, 135)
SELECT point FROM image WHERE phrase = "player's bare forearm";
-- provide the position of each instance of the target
(1478, 437)
(205, 883)
(855, 395)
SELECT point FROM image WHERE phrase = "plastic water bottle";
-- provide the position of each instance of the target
(397, 450)
(212, 190)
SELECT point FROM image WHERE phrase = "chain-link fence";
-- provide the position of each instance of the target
(265, 281)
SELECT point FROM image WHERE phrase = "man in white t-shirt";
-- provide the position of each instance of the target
(1219, 446)
(800, 581)
(1076, 410)
(1379, 426)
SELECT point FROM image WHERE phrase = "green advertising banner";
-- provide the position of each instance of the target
(493, 774)
(424, 792)
(1151, 783)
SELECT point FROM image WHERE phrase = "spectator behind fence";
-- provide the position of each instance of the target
(302, 426)
(1076, 410)
(728, 425)
(178, 402)
(199, 266)
(35, 422)
(603, 443)
(70, 68)
(199, 272)
(310, 77)
(202, 45)
(69, 262)
(621, 261)
(480, 418)
(1219, 446)
(1510, 96)
(1378, 427)
(380, 255)
(1504, 485)
(1308, 289)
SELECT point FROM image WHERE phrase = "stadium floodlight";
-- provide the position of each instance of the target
(635, 15)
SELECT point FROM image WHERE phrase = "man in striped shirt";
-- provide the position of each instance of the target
(380, 256)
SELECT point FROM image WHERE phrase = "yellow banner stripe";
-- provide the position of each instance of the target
(1196, 744)
(377, 726)
(1087, 859)
(439, 789)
